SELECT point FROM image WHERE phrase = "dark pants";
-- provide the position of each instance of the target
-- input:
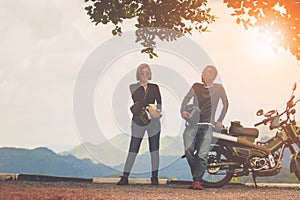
(137, 134)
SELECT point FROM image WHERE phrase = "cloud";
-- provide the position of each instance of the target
(42, 45)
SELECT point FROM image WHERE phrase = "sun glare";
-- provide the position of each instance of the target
(263, 46)
(266, 39)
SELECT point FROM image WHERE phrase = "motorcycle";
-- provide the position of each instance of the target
(234, 153)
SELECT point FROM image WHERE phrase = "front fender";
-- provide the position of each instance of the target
(295, 162)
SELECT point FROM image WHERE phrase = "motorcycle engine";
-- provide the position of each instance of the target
(258, 163)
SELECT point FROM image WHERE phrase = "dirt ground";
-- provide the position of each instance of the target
(27, 190)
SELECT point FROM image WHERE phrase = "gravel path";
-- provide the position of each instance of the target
(27, 190)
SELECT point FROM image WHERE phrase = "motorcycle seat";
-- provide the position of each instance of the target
(236, 129)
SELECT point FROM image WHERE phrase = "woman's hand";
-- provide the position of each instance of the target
(154, 113)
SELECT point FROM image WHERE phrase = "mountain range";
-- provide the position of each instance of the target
(86, 160)
(113, 152)
(44, 161)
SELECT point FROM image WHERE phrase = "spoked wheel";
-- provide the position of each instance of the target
(218, 172)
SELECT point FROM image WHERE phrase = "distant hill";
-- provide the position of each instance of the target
(44, 161)
(114, 151)
(107, 160)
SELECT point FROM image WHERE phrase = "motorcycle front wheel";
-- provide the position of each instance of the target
(221, 174)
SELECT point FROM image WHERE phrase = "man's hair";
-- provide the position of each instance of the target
(215, 71)
(140, 68)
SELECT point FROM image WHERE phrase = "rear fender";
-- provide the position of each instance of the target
(295, 162)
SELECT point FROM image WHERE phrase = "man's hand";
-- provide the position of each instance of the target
(218, 125)
(185, 115)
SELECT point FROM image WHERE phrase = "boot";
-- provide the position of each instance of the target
(154, 181)
(123, 181)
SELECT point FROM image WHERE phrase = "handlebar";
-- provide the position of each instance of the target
(290, 105)
(259, 123)
(262, 122)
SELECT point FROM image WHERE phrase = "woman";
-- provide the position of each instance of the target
(145, 93)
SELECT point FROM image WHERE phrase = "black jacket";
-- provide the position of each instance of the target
(138, 94)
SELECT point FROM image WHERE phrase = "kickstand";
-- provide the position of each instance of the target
(254, 179)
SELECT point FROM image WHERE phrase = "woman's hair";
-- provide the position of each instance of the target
(140, 68)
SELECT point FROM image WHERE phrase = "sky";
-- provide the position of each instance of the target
(45, 45)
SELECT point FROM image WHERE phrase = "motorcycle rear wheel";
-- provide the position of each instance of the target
(215, 177)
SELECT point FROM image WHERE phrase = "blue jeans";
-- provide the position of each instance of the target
(137, 134)
(197, 140)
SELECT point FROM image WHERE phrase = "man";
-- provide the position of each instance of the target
(197, 135)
